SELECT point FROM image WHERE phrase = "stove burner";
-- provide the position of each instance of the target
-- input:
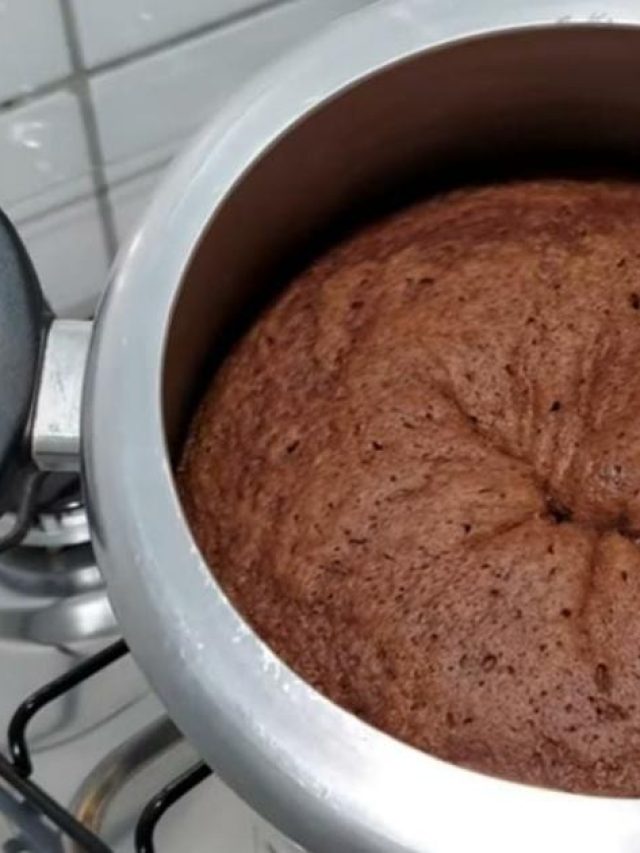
(17, 770)
(51, 590)
(60, 527)
(58, 518)
(134, 779)
(55, 558)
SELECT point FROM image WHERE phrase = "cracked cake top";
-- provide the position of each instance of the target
(418, 477)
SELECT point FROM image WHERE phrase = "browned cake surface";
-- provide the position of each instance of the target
(418, 476)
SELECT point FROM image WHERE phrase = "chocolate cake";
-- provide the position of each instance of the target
(418, 478)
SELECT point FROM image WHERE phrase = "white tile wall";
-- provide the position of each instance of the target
(113, 29)
(44, 160)
(190, 81)
(33, 50)
(68, 249)
(97, 95)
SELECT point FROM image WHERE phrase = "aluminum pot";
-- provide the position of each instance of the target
(401, 87)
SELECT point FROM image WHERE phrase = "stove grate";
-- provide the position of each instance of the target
(156, 807)
(18, 769)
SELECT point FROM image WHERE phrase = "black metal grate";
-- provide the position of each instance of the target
(18, 769)
(156, 807)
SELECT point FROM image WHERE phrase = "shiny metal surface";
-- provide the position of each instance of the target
(119, 768)
(103, 751)
(407, 85)
(51, 591)
(55, 439)
(53, 530)
(73, 735)
(51, 571)
(111, 799)
(55, 557)
(59, 529)
(76, 619)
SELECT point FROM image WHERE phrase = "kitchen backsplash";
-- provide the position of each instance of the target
(97, 96)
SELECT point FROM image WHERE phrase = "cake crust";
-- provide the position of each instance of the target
(418, 478)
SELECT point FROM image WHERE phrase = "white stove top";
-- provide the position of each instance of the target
(104, 750)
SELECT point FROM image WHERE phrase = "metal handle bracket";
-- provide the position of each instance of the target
(55, 437)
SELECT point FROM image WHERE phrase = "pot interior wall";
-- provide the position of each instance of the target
(555, 98)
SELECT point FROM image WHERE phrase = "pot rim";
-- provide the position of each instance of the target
(327, 779)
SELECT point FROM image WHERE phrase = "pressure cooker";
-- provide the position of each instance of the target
(399, 89)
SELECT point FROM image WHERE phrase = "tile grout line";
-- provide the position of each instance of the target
(92, 134)
(77, 83)
(143, 171)
(80, 72)
(169, 42)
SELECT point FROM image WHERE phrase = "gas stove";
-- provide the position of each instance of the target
(94, 749)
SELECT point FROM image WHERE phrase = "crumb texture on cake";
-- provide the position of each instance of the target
(418, 477)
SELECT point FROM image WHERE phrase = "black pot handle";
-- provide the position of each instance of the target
(24, 319)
